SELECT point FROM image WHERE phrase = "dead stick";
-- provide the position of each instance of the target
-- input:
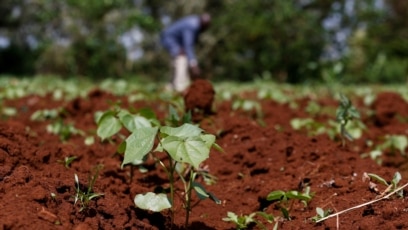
(362, 205)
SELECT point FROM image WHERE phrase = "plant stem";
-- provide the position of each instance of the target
(169, 171)
(188, 197)
(171, 181)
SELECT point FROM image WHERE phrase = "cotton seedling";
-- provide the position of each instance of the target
(250, 106)
(286, 199)
(344, 114)
(245, 221)
(186, 148)
(390, 187)
(391, 143)
(57, 126)
(321, 213)
(241, 222)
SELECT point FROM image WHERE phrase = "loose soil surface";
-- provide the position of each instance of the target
(257, 159)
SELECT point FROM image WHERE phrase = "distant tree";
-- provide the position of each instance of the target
(379, 44)
(282, 37)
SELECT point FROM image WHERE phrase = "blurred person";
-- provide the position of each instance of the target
(179, 39)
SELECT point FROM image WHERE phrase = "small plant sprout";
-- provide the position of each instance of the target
(321, 213)
(85, 195)
(345, 113)
(392, 144)
(175, 119)
(391, 190)
(286, 199)
(57, 126)
(244, 221)
(67, 161)
(241, 222)
(395, 143)
(250, 106)
(390, 187)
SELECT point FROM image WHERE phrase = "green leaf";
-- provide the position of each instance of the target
(378, 178)
(209, 139)
(320, 212)
(202, 193)
(147, 113)
(400, 142)
(133, 122)
(152, 201)
(138, 144)
(184, 131)
(231, 217)
(396, 179)
(122, 147)
(298, 195)
(191, 150)
(285, 213)
(200, 190)
(108, 125)
(276, 195)
(269, 217)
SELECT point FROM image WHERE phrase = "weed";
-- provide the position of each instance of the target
(84, 196)
(67, 161)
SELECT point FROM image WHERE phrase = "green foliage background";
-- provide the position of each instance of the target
(282, 39)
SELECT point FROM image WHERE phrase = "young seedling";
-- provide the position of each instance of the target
(177, 116)
(395, 143)
(345, 113)
(385, 195)
(241, 222)
(84, 196)
(321, 213)
(244, 221)
(67, 161)
(186, 148)
(250, 106)
(57, 126)
(391, 187)
(183, 145)
(392, 143)
(286, 199)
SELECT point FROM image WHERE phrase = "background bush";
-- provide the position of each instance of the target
(284, 39)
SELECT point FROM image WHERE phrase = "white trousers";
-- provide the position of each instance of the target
(181, 78)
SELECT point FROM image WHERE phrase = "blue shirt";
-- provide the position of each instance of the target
(181, 37)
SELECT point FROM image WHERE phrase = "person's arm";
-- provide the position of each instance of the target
(188, 46)
(189, 42)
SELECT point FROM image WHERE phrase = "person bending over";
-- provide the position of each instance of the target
(179, 39)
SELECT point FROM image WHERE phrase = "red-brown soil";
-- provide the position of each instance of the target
(256, 160)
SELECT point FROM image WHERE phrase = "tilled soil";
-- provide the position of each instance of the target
(258, 158)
